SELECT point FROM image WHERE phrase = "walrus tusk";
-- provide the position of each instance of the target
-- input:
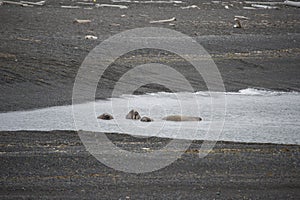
(133, 114)
(178, 118)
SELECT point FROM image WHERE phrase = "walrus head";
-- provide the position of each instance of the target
(105, 116)
(146, 119)
(133, 114)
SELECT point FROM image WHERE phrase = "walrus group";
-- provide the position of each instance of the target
(134, 115)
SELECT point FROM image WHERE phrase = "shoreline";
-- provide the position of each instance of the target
(125, 135)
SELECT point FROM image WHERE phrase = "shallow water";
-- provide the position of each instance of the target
(252, 115)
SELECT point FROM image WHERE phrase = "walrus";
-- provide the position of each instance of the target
(133, 114)
(178, 118)
(146, 119)
(105, 116)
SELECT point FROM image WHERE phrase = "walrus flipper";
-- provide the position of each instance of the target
(179, 118)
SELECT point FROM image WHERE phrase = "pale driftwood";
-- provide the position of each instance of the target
(249, 8)
(82, 21)
(40, 3)
(292, 3)
(264, 2)
(163, 20)
(188, 7)
(111, 5)
(264, 6)
(85, 3)
(121, 1)
(70, 7)
(135, 1)
(17, 3)
(172, 2)
(241, 17)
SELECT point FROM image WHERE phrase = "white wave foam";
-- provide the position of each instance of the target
(247, 91)
(264, 92)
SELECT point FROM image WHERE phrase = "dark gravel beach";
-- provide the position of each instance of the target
(56, 165)
(41, 50)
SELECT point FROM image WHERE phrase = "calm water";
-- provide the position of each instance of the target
(252, 115)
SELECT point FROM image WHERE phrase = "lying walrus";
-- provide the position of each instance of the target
(133, 114)
(146, 119)
(105, 116)
(178, 118)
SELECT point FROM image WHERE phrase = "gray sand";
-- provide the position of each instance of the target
(56, 165)
(41, 48)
